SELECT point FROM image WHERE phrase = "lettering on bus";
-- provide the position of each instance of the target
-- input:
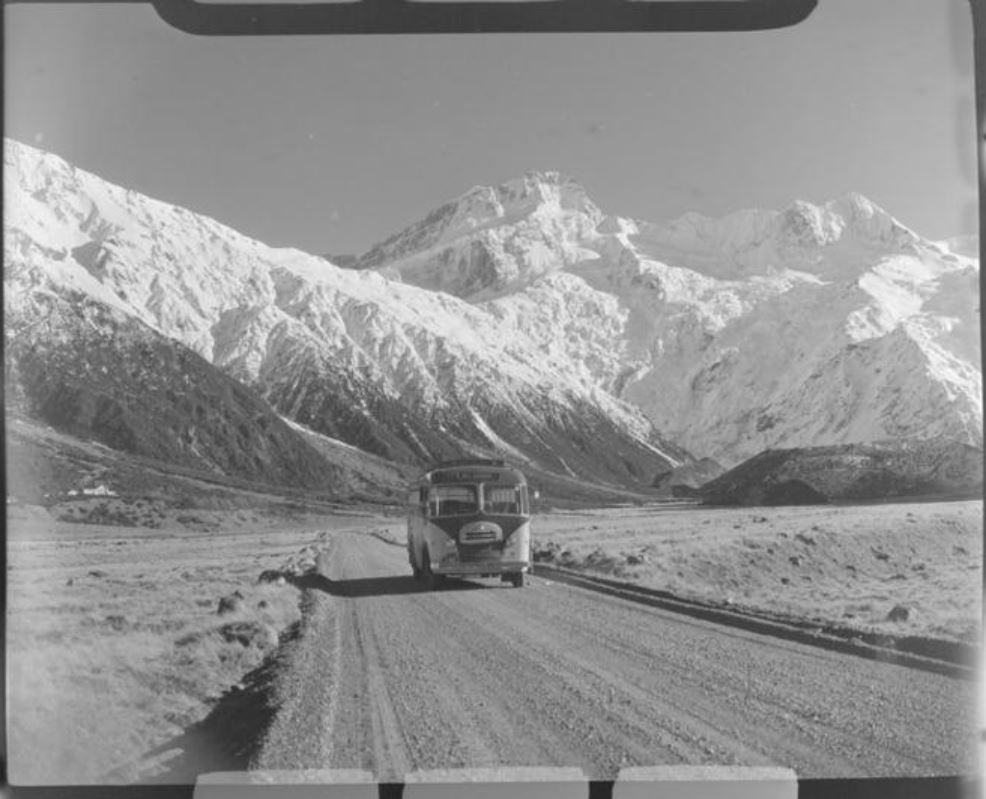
(470, 476)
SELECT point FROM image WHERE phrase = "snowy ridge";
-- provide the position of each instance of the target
(393, 368)
(492, 238)
(731, 334)
(520, 318)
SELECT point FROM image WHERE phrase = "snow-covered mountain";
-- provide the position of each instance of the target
(492, 239)
(400, 371)
(523, 320)
(813, 325)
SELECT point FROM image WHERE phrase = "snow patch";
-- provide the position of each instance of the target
(493, 438)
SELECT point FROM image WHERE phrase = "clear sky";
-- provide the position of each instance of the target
(331, 144)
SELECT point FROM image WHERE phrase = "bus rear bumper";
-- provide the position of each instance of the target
(474, 569)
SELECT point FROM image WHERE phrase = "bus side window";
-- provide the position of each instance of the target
(423, 501)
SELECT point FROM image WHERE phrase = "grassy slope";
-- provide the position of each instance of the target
(45, 465)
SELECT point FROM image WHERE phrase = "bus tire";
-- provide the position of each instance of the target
(517, 579)
(429, 580)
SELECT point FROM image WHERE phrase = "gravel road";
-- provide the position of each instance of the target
(390, 679)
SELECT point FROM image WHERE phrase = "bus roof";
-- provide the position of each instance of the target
(472, 470)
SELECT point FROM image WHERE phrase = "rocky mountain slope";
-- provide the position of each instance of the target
(401, 372)
(89, 370)
(813, 325)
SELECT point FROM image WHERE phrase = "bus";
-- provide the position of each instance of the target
(469, 518)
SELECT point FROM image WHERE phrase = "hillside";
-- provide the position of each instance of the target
(90, 371)
(882, 470)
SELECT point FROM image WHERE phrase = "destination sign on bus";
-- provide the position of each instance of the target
(464, 476)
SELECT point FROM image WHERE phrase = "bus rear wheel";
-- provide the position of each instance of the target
(429, 580)
(517, 579)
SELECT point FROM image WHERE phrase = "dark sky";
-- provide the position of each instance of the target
(333, 143)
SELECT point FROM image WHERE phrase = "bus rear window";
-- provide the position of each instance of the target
(504, 499)
(452, 500)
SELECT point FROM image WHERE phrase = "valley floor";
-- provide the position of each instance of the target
(845, 564)
(116, 643)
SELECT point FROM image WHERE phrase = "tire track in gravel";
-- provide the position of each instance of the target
(627, 720)
(404, 709)
(480, 675)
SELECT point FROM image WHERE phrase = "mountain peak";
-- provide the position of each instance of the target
(857, 203)
(557, 188)
(534, 191)
(851, 215)
(807, 225)
(544, 196)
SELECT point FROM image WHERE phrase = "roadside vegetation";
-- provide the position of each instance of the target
(119, 638)
(901, 569)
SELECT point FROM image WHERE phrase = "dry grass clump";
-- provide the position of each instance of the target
(115, 640)
(157, 513)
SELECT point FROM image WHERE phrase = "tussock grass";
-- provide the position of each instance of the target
(114, 640)
(848, 565)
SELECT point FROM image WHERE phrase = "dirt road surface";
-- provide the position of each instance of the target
(391, 679)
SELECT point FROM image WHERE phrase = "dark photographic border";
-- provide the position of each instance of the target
(536, 16)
